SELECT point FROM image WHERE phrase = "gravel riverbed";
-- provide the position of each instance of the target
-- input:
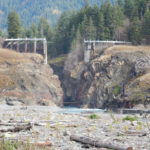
(57, 125)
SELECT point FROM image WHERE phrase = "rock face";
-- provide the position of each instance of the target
(117, 77)
(25, 80)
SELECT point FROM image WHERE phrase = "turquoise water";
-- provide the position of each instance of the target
(72, 110)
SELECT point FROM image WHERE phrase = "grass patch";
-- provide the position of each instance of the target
(116, 90)
(8, 145)
(93, 116)
(130, 118)
(16, 145)
(127, 48)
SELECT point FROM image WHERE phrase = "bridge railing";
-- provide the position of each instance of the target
(26, 39)
(113, 42)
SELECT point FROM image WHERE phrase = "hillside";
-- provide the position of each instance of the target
(25, 80)
(31, 10)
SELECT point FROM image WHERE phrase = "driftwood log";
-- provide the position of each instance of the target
(14, 124)
(43, 144)
(17, 128)
(135, 133)
(99, 144)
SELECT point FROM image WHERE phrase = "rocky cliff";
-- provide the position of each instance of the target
(117, 77)
(25, 80)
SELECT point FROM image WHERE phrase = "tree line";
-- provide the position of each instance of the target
(124, 20)
(31, 10)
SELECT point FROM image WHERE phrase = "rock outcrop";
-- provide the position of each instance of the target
(25, 80)
(117, 77)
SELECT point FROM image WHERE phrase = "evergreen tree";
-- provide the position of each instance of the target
(14, 25)
(100, 27)
(62, 40)
(146, 26)
(27, 33)
(118, 15)
(107, 35)
(77, 41)
(129, 8)
(84, 27)
(117, 21)
(91, 30)
(34, 31)
(141, 7)
(44, 29)
(23, 32)
(107, 10)
(120, 3)
(135, 31)
(88, 29)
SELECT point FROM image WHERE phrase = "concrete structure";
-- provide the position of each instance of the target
(93, 46)
(10, 43)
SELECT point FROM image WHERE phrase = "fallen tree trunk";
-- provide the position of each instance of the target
(17, 128)
(99, 144)
(14, 124)
(135, 133)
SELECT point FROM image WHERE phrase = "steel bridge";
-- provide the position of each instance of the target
(90, 46)
(9, 43)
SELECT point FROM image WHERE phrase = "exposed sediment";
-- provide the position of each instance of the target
(54, 129)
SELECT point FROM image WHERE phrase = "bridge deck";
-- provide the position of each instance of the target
(111, 42)
(26, 39)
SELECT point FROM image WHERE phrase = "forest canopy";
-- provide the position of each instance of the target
(32, 10)
(127, 20)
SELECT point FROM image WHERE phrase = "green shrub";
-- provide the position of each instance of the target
(130, 118)
(94, 116)
(116, 90)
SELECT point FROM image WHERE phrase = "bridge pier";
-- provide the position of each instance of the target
(11, 45)
(26, 47)
(87, 51)
(45, 51)
(35, 46)
(17, 46)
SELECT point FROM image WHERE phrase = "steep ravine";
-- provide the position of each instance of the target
(118, 78)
